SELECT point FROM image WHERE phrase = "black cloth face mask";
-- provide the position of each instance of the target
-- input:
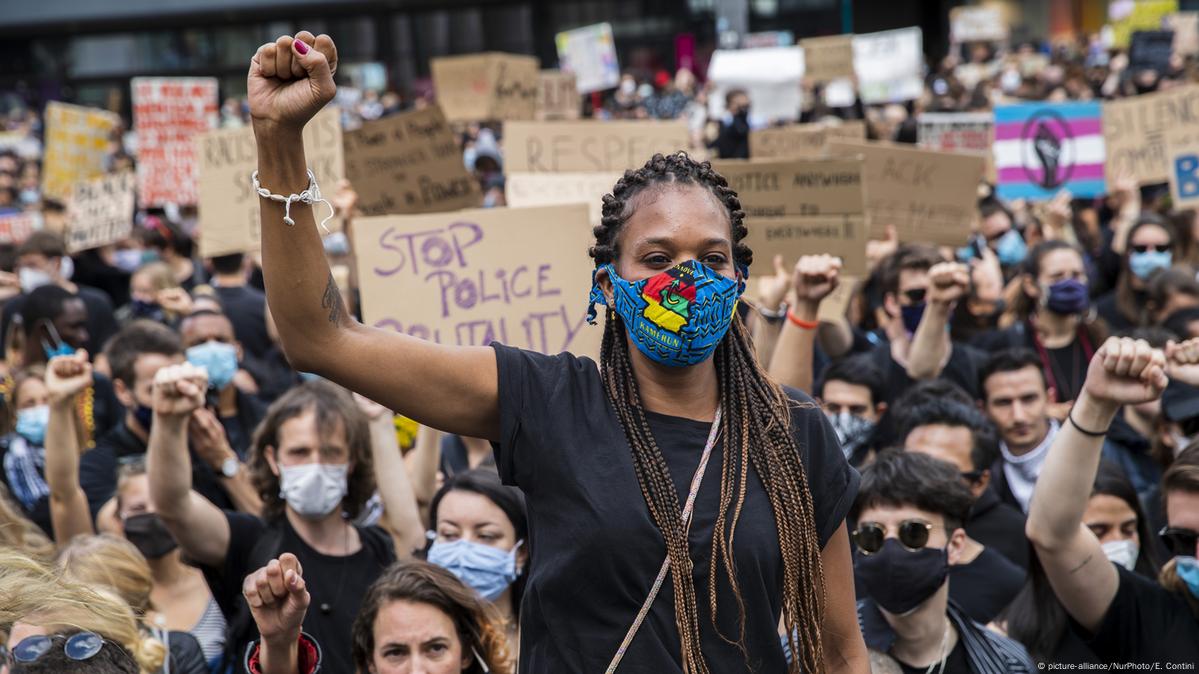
(149, 535)
(898, 579)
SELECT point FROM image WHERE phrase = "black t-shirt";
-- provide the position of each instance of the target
(1000, 527)
(985, 586)
(955, 662)
(1146, 623)
(455, 458)
(962, 369)
(595, 549)
(246, 309)
(338, 583)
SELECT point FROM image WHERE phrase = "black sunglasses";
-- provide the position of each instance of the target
(870, 536)
(1163, 248)
(916, 295)
(1179, 541)
(78, 647)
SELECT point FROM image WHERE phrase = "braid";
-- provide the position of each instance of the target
(756, 431)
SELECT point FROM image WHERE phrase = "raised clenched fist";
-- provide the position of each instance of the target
(290, 80)
(179, 390)
(948, 282)
(67, 376)
(1126, 371)
(816, 276)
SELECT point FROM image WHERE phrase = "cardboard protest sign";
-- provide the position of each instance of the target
(491, 85)
(76, 144)
(961, 132)
(168, 114)
(1134, 132)
(409, 163)
(16, 227)
(520, 276)
(793, 141)
(977, 24)
(1042, 148)
(827, 58)
(843, 236)
(889, 65)
(927, 195)
(101, 211)
(589, 146)
(1151, 50)
(557, 96)
(590, 53)
(1144, 15)
(770, 75)
(229, 208)
(1185, 26)
(1182, 154)
(552, 189)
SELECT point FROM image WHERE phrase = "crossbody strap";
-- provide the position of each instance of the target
(657, 586)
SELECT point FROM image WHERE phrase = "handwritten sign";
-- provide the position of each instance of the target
(827, 58)
(557, 96)
(928, 196)
(1186, 32)
(515, 275)
(229, 207)
(889, 65)
(408, 163)
(16, 227)
(490, 85)
(1134, 132)
(797, 187)
(835, 305)
(590, 53)
(961, 132)
(77, 140)
(168, 114)
(551, 189)
(977, 24)
(101, 211)
(843, 236)
(770, 75)
(793, 141)
(589, 146)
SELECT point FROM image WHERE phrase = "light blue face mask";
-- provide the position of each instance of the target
(1011, 249)
(1187, 568)
(1142, 265)
(486, 569)
(32, 423)
(218, 358)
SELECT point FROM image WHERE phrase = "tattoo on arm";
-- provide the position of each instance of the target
(1084, 563)
(331, 301)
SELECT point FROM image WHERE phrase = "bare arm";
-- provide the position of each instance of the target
(835, 337)
(1128, 197)
(1122, 372)
(391, 479)
(816, 276)
(844, 649)
(422, 468)
(66, 376)
(772, 295)
(286, 88)
(199, 526)
(930, 349)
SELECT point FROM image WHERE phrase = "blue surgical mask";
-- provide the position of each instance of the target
(1011, 249)
(1067, 297)
(677, 317)
(55, 346)
(486, 569)
(218, 358)
(32, 422)
(1187, 568)
(1142, 265)
(128, 259)
(911, 316)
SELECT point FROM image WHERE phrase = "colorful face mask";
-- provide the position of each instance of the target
(677, 317)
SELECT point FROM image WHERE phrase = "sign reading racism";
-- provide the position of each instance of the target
(589, 146)
(491, 85)
(1042, 148)
(100, 211)
(77, 141)
(168, 114)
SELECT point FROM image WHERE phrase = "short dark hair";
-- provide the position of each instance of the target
(898, 479)
(988, 206)
(984, 448)
(857, 370)
(909, 257)
(933, 388)
(43, 243)
(228, 264)
(43, 303)
(133, 340)
(1009, 360)
(112, 658)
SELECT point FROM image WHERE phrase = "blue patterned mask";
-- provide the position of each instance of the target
(677, 317)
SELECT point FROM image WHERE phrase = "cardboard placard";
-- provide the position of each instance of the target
(961, 132)
(589, 146)
(491, 85)
(517, 275)
(1151, 50)
(168, 114)
(590, 53)
(827, 58)
(794, 141)
(1145, 15)
(16, 227)
(77, 140)
(770, 75)
(1186, 32)
(929, 196)
(836, 304)
(796, 187)
(1134, 132)
(557, 96)
(409, 163)
(552, 189)
(889, 65)
(101, 211)
(1042, 148)
(229, 208)
(977, 24)
(793, 236)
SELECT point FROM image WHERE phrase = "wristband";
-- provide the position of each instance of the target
(773, 315)
(799, 322)
(1080, 429)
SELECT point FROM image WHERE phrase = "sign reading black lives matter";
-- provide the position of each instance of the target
(100, 211)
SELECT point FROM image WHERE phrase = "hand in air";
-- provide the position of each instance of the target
(1126, 371)
(816, 277)
(1182, 361)
(290, 80)
(948, 282)
(278, 599)
(67, 376)
(179, 390)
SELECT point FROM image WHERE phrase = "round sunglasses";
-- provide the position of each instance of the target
(78, 647)
(1179, 541)
(870, 536)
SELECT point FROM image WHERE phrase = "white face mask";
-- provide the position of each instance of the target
(32, 279)
(1122, 553)
(313, 490)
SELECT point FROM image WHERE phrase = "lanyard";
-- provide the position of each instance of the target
(1087, 349)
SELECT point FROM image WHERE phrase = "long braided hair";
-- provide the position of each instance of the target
(756, 432)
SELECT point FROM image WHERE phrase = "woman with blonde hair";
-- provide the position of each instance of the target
(114, 563)
(18, 534)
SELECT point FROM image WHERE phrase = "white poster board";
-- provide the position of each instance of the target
(890, 65)
(770, 75)
(590, 53)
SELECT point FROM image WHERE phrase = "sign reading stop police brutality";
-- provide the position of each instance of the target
(1043, 148)
(589, 146)
(168, 114)
(77, 141)
(520, 276)
(491, 85)
(100, 211)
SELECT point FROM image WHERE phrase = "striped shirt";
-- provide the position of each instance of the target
(210, 632)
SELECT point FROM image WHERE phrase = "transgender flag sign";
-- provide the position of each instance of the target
(1043, 148)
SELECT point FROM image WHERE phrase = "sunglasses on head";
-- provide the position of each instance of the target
(78, 647)
(1179, 541)
(1145, 248)
(916, 295)
(870, 536)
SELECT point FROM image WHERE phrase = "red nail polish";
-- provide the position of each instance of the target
(301, 47)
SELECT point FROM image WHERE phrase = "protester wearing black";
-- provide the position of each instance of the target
(245, 306)
(732, 141)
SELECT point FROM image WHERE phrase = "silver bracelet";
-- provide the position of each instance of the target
(309, 196)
